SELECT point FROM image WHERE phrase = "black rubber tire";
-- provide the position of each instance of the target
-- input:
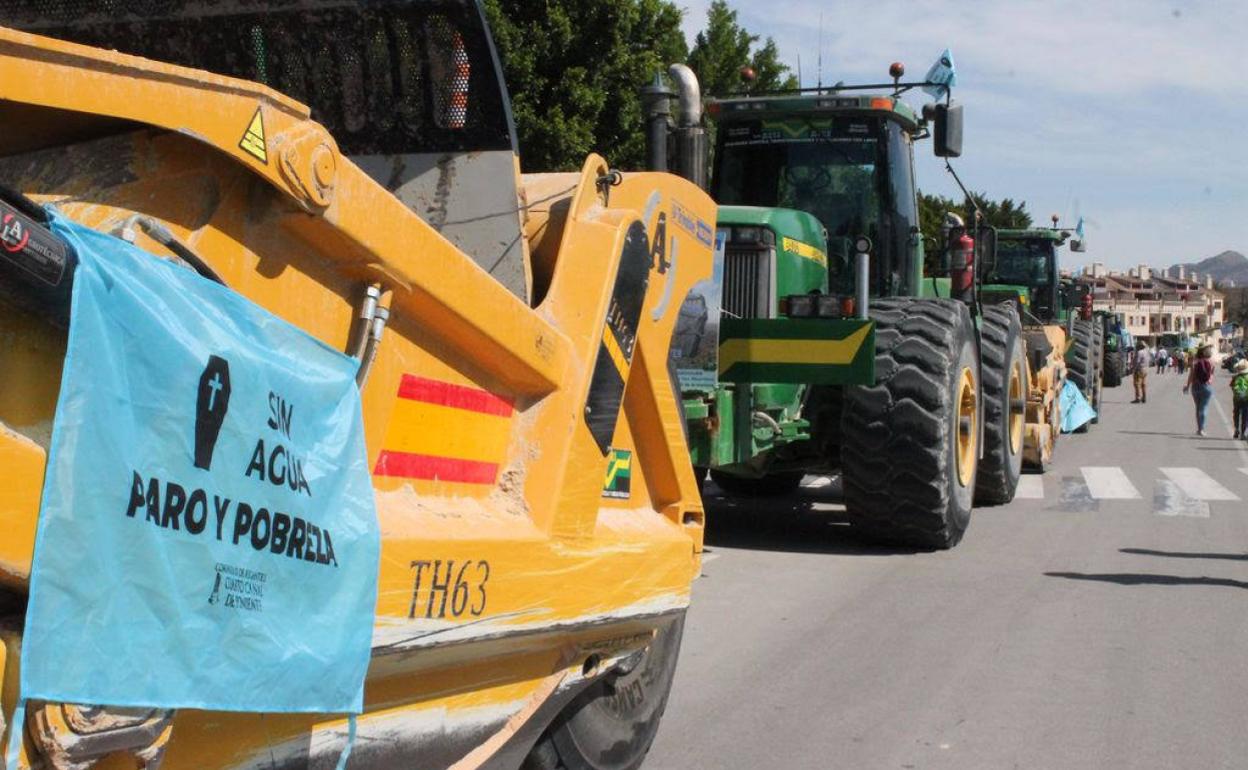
(1113, 369)
(1079, 368)
(899, 436)
(1098, 363)
(771, 485)
(1000, 350)
(612, 724)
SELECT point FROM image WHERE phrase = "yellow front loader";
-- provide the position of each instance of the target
(1046, 346)
(540, 520)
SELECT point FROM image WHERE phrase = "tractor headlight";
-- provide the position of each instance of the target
(828, 306)
(802, 305)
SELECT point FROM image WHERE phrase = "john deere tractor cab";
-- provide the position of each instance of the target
(837, 353)
(846, 164)
(1025, 271)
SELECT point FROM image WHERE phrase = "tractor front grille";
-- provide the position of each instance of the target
(748, 291)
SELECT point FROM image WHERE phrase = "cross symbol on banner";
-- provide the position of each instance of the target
(215, 385)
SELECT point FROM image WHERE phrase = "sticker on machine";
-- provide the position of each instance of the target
(618, 481)
(253, 142)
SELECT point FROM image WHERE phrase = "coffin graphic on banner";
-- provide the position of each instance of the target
(207, 536)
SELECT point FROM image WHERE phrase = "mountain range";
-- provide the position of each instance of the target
(1227, 266)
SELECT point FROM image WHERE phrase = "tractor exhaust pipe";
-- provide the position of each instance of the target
(690, 135)
(656, 100)
(690, 95)
(682, 140)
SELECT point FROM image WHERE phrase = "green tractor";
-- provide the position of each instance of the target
(836, 352)
(1025, 270)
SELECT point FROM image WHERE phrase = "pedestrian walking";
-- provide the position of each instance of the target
(1200, 384)
(1161, 357)
(1239, 399)
(1141, 360)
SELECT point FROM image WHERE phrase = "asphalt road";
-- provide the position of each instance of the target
(1097, 623)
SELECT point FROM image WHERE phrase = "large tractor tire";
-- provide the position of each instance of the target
(771, 485)
(613, 723)
(1004, 370)
(1098, 362)
(910, 443)
(1113, 369)
(1079, 362)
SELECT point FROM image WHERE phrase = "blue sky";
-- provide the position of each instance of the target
(1132, 114)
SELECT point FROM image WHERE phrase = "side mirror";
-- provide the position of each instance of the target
(947, 130)
(1078, 246)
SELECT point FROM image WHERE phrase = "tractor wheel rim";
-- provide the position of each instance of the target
(967, 427)
(1018, 408)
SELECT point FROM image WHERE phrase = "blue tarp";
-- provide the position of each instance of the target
(1075, 408)
(207, 537)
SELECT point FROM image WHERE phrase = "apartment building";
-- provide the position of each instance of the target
(1150, 303)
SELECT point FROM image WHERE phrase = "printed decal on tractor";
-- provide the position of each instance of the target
(463, 595)
(441, 431)
(618, 481)
(619, 337)
(804, 250)
(30, 248)
(788, 350)
(698, 228)
(253, 142)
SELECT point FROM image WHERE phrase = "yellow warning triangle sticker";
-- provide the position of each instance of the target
(252, 142)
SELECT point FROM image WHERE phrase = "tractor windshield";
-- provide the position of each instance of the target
(1024, 262)
(837, 169)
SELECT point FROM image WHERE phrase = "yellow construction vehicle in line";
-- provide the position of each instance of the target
(539, 518)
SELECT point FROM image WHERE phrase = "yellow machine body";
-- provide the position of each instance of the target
(558, 580)
(1047, 374)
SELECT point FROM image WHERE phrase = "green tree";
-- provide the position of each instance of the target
(723, 48)
(1003, 213)
(575, 69)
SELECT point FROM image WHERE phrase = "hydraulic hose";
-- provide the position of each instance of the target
(162, 235)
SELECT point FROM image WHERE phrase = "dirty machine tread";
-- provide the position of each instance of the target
(1001, 348)
(1079, 365)
(612, 724)
(899, 435)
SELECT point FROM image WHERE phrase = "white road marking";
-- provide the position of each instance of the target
(817, 483)
(709, 557)
(1105, 483)
(1030, 488)
(1169, 499)
(1198, 485)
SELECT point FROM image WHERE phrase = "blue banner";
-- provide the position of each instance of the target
(1075, 407)
(943, 75)
(207, 537)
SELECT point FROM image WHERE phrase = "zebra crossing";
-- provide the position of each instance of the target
(1176, 491)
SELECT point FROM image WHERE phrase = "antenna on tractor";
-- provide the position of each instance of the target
(819, 66)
